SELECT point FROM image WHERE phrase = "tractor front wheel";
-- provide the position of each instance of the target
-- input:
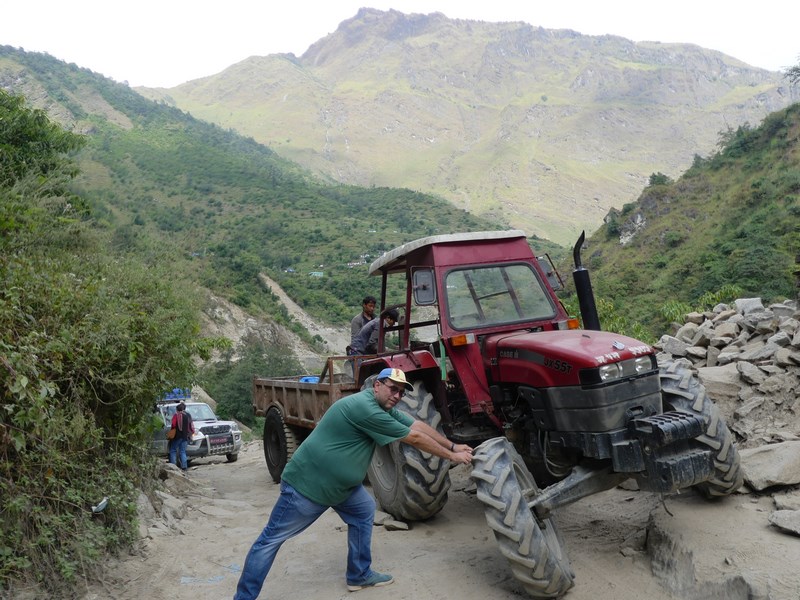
(682, 391)
(532, 546)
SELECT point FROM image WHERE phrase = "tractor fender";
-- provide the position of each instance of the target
(416, 364)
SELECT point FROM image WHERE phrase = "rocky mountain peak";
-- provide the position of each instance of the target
(543, 130)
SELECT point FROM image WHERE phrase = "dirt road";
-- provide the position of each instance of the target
(195, 548)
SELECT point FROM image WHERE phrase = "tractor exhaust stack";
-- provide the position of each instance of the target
(583, 287)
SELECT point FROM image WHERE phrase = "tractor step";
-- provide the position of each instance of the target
(666, 428)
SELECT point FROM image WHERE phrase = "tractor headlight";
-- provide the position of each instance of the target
(631, 368)
(643, 364)
(609, 372)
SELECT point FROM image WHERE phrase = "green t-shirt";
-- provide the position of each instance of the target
(333, 460)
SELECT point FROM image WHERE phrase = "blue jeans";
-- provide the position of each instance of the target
(291, 515)
(178, 446)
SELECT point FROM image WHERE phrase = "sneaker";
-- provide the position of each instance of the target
(373, 580)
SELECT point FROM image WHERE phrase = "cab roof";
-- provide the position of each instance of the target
(394, 261)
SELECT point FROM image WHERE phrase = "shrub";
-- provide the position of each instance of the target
(87, 341)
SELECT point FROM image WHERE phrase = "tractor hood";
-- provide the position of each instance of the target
(555, 358)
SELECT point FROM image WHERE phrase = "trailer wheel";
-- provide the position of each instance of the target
(682, 391)
(280, 443)
(532, 546)
(409, 484)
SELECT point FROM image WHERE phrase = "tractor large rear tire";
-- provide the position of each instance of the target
(408, 484)
(280, 442)
(533, 547)
(681, 391)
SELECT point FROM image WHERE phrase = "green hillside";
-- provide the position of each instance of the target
(223, 208)
(732, 221)
(220, 206)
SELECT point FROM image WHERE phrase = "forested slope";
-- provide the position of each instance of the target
(731, 223)
(224, 206)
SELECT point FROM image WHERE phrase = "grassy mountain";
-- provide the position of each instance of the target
(543, 129)
(731, 221)
(220, 206)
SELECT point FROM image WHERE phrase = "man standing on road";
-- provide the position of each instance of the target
(327, 471)
(184, 429)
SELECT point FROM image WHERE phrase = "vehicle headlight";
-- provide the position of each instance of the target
(609, 372)
(643, 364)
(631, 368)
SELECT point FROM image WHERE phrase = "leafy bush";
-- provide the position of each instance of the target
(610, 318)
(87, 341)
(659, 179)
(725, 295)
(673, 238)
(675, 311)
(612, 224)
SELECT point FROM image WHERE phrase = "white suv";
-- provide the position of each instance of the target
(211, 437)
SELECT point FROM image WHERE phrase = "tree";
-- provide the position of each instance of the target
(793, 73)
(659, 179)
(230, 381)
(31, 145)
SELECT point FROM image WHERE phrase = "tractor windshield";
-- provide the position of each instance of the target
(496, 295)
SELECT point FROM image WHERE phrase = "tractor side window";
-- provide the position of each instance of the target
(496, 295)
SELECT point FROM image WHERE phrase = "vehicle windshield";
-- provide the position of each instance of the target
(496, 295)
(199, 412)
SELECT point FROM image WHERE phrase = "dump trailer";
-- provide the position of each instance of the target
(291, 407)
(555, 412)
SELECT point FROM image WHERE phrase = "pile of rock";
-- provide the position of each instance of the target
(746, 332)
(748, 358)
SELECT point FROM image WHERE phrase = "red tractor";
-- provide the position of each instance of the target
(555, 412)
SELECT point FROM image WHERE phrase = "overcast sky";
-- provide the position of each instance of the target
(167, 42)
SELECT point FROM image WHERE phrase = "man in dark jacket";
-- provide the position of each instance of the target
(184, 429)
(366, 342)
(366, 315)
